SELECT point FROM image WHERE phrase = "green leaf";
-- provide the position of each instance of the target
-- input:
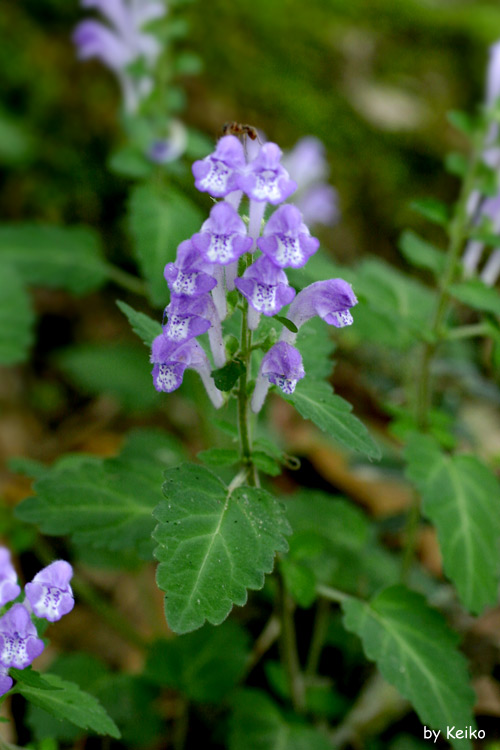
(29, 677)
(213, 544)
(417, 653)
(159, 222)
(456, 163)
(228, 375)
(205, 665)
(462, 121)
(62, 257)
(476, 294)
(107, 504)
(118, 369)
(71, 703)
(266, 463)
(145, 327)
(421, 253)
(315, 336)
(16, 317)
(461, 497)
(258, 724)
(332, 414)
(433, 210)
(287, 323)
(219, 457)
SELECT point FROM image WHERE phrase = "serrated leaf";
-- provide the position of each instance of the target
(107, 504)
(228, 375)
(258, 724)
(145, 327)
(29, 677)
(417, 653)
(119, 369)
(476, 294)
(433, 210)
(213, 545)
(16, 317)
(219, 457)
(421, 253)
(461, 497)
(205, 665)
(332, 414)
(159, 222)
(71, 703)
(62, 257)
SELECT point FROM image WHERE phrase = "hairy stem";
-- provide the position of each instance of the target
(288, 648)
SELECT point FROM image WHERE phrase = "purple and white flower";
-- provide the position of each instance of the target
(218, 173)
(19, 641)
(189, 317)
(171, 360)
(286, 240)
(165, 150)
(189, 274)
(9, 588)
(265, 179)
(266, 288)
(223, 237)
(49, 593)
(6, 682)
(122, 42)
(330, 300)
(281, 365)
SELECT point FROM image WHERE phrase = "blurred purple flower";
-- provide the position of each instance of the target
(19, 642)
(49, 593)
(169, 149)
(281, 365)
(6, 682)
(286, 239)
(122, 42)
(8, 578)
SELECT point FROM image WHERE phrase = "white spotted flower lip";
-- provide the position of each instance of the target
(282, 365)
(265, 286)
(265, 179)
(49, 593)
(330, 300)
(19, 642)
(223, 237)
(286, 239)
(218, 173)
(9, 588)
(188, 276)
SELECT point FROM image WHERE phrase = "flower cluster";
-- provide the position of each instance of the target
(48, 596)
(206, 268)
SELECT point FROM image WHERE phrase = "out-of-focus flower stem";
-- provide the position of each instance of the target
(126, 280)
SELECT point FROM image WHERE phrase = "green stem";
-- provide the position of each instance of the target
(467, 332)
(288, 644)
(328, 592)
(457, 235)
(318, 637)
(126, 280)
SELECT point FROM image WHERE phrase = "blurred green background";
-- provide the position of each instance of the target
(372, 78)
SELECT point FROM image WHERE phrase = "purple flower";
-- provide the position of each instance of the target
(287, 241)
(223, 237)
(307, 165)
(218, 173)
(169, 149)
(281, 365)
(5, 681)
(265, 178)
(19, 642)
(493, 75)
(187, 275)
(171, 360)
(122, 42)
(330, 300)
(185, 318)
(49, 593)
(265, 286)
(8, 578)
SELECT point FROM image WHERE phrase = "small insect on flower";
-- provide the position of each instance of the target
(237, 128)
